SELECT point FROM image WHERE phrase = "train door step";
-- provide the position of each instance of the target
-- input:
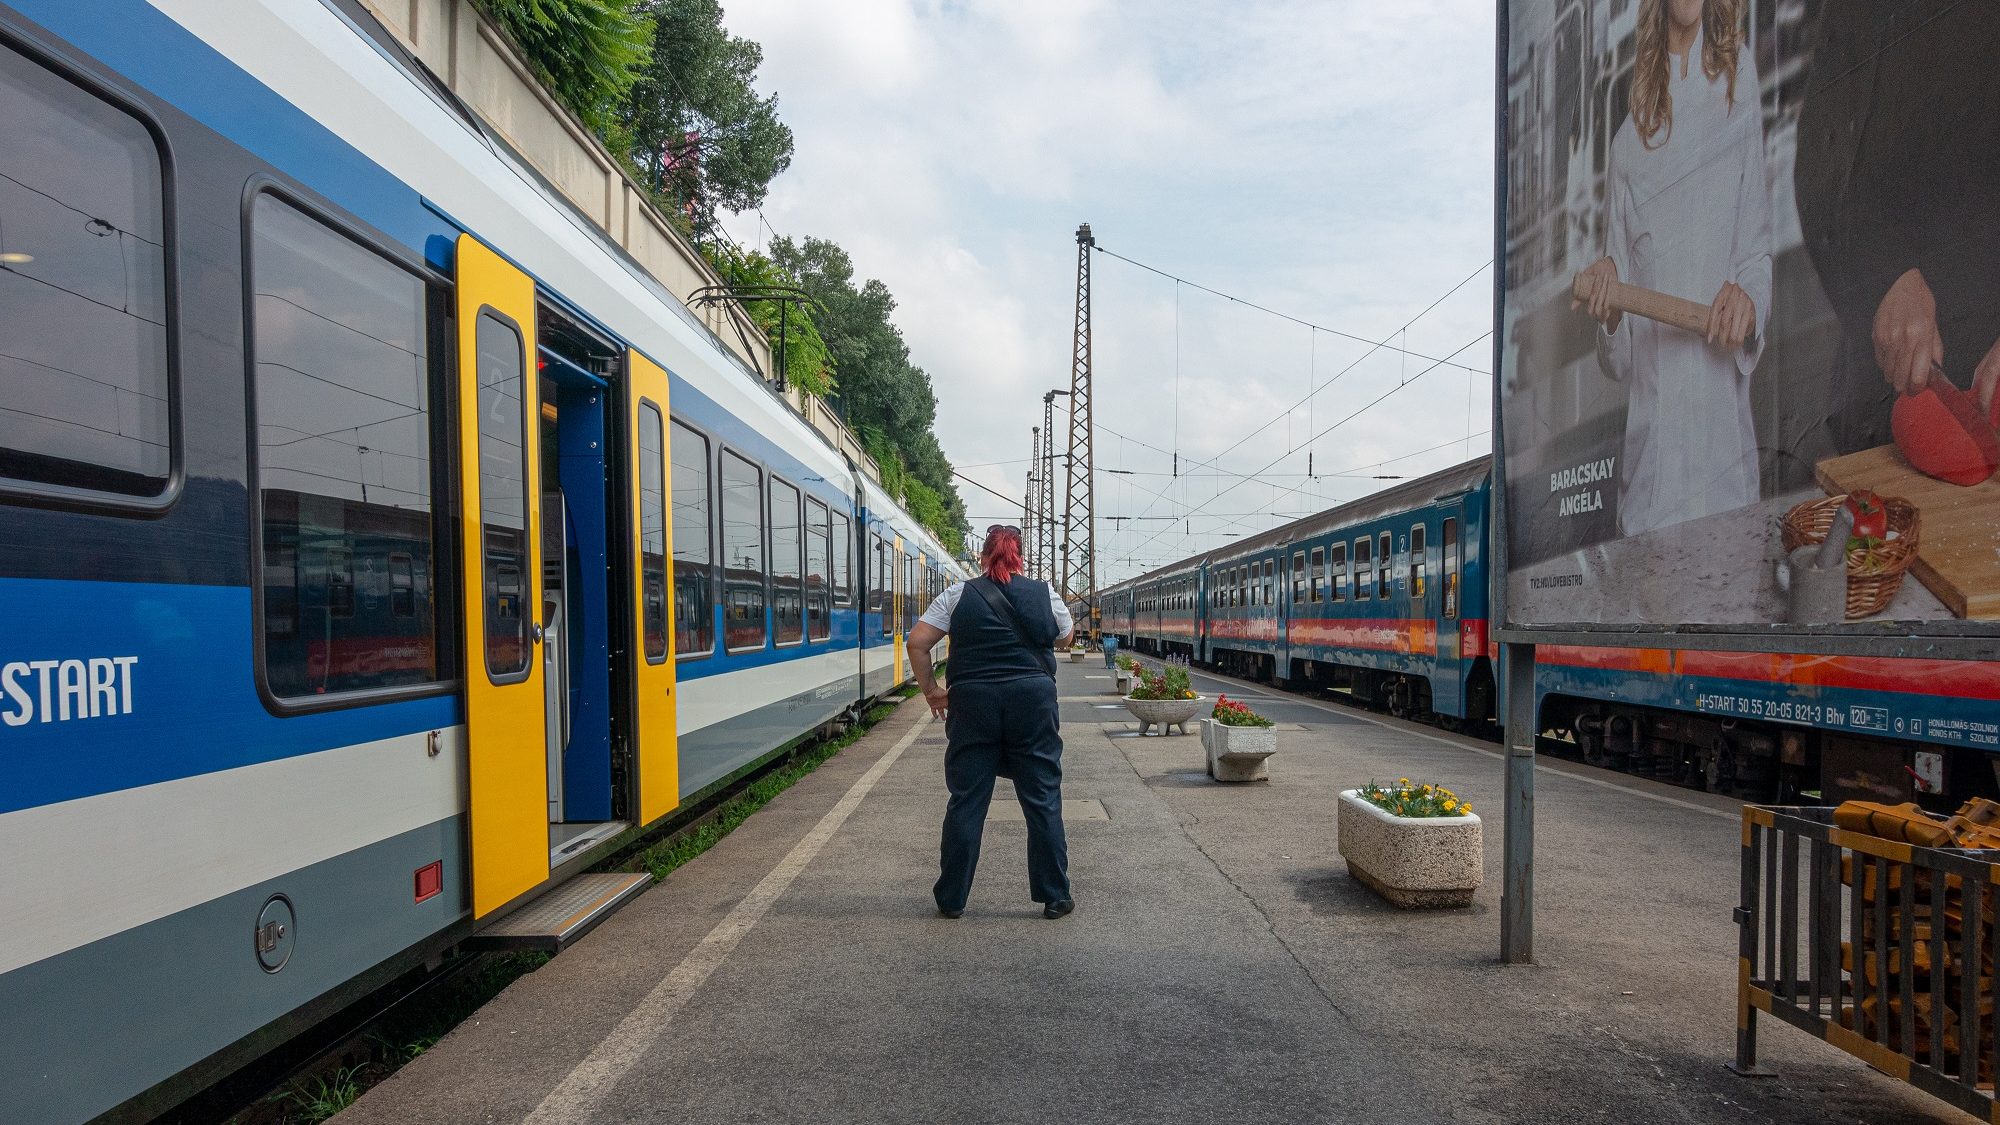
(564, 914)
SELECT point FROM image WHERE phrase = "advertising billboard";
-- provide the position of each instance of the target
(1751, 302)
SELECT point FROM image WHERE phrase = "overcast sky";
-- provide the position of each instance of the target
(1331, 160)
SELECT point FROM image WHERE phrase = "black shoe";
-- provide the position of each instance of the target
(1058, 909)
(943, 913)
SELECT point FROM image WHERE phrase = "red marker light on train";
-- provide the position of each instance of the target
(430, 880)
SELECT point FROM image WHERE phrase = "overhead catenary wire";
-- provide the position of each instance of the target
(1374, 346)
(1343, 421)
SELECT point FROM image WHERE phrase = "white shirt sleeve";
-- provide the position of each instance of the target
(938, 616)
(1064, 623)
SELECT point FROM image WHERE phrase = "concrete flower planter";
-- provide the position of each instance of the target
(1121, 681)
(1414, 862)
(1166, 713)
(1076, 655)
(1238, 753)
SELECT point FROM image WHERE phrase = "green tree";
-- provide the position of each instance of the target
(588, 53)
(882, 395)
(806, 359)
(693, 124)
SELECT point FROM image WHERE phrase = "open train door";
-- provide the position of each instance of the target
(499, 461)
(656, 740)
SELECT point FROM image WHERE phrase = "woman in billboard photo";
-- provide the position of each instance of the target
(1689, 215)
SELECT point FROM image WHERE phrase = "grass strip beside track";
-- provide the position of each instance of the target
(662, 858)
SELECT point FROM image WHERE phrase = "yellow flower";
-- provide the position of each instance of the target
(1466, 807)
(1402, 781)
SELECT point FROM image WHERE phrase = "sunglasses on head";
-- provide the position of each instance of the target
(999, 527)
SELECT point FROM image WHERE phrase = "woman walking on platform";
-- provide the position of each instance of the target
(1000, 717)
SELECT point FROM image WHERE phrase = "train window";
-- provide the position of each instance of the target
(878, 601)
(843, 559)
(1364, 552)
(694, 538)
(819, 568)
(1336, 568)
(788, 600)
(742, 554)
(653, 532)
(1298, 577)
(340, 582)
(1417, 561)
(1384, 552)
(343, 383)
(1450, 563)
(1270, 570)
(402, 584)
(83, 290)
(503, 492)
(1318, 573)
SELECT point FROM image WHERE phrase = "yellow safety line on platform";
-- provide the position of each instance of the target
(578, 1096)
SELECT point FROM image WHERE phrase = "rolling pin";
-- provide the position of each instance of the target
(1651, 304)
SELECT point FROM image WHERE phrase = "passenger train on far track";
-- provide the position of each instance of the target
(380, 547)
(1385, 600)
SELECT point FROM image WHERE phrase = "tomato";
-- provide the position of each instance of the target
(1871, 519)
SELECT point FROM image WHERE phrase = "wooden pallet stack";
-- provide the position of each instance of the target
(1932, 957)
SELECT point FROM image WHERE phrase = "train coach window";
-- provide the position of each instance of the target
(843, 559)
(819, 569)
(652, 532)
(1384, 551)
(340, 337)
(742, 553)
(1417, 561)
(694, 532)
(1318, 573)
(503, 498)
(83, 289)
(1364, 553)
(788, 608)
(1336, 572)
(1270, 569)
(1450, 563)
(878, 601)
(1298, 577)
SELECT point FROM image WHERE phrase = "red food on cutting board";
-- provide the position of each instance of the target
(1945, 435)
(1871, 519)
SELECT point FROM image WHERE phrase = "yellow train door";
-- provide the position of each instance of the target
(499, 459)
(653, 570)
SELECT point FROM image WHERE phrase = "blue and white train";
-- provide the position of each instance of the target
(378, 544)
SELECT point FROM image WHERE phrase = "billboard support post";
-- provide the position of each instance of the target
(1517, 661)
(1517, 894)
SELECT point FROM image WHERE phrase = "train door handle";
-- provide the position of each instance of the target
(535, 631)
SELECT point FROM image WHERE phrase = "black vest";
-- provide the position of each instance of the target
(985, 649)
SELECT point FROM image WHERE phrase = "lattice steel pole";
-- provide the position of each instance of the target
(1079, 580)
(1030, 517)
(1045, 550)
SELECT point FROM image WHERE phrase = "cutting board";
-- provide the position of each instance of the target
(1958, 548)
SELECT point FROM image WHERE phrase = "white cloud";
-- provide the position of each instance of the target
(1330, 160)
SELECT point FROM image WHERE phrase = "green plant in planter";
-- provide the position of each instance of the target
(1409, 798)
(1125, 662)
(1171, 682)
(1235, 713)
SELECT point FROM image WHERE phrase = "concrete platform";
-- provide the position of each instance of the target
(1221, 965)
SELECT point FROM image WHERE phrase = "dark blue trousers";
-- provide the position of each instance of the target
(991, 726)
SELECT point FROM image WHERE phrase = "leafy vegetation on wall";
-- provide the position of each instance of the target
(588, 53)
(673, 95)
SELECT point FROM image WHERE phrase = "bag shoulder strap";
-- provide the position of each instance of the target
(1002, 608)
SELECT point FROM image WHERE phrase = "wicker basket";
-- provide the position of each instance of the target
(1867, 594)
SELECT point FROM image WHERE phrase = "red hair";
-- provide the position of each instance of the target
(1000, 558)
